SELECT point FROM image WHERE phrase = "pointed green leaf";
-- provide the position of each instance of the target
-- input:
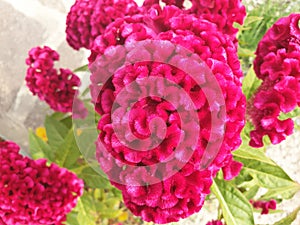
(268, 174)
(235, 207)
(68, 153)
(86, 210)
(289, 219)
(251, 193)
(39, 148)
(94, 179)
(250, 83)
(83, 68)
(56, 132)
(285, 192)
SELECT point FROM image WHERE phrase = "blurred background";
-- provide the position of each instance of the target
(28, 23)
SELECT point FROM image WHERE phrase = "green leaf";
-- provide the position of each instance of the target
(84, 68)
(86, 210)
(250, 83)
(72, 219)
(56, 132)
(244, 52)
(252, 19)
(251, 193)
(289, 219)
(110, 214)
(285, 192)
(266, 172)
(68, 153)
(39, 148)
(253, 154)
(93, 179)
(293, 114)
(235, 207)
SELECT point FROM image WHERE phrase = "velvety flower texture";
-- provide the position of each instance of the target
(88, 18)
(224, 13)
(33, 193)
(278, 64)
(264, 205)
(146, 192)
(215, 222)
(57, 89)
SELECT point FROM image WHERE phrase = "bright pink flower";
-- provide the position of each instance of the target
(264, 205)
(277, 53)
(278, 64)
(57, 89)
(32, 192)
(138, 170)
(215, 222)
(88, 18)
(224, 13)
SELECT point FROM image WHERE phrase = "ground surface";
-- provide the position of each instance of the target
(28, 23)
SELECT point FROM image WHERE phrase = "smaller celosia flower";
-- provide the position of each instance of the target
(87, 19)
(264, 205)
(215, 222)
(278, 64)
(58, 89)
(32, 192)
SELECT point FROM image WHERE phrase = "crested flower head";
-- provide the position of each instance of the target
(277, 63)
(88, 18)
(58, 89)
(31, 192)
(151, 146)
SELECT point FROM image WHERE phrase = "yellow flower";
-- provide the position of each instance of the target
(78, 132)
(41, 133)
(123, 217)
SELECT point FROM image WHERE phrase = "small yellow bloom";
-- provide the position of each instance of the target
(41, 133)
(78, 132)
(123, 217)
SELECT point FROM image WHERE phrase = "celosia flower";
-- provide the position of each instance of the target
(224, 13)
(135, 170)
(32, 192)
(264, 205)
(57, 89)
(88, 18)
(278, 64)
(215, 222)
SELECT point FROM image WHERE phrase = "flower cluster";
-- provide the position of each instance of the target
(32, 192)
(278, 64)
(87, 19)
(222, 13)
(58, 89)
(215, 222)
(264, 205)
(160, 181)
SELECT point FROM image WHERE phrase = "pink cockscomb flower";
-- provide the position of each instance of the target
(88, 18)
(264, 205)
(58, 89)
(224, 13)
(215, 222)
(32, 192)
(278, 64)
(147, 141)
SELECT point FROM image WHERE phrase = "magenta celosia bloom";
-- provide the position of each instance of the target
(278, 64)
(88, 18)
(139, 173)
(224, 13)
(58, 89)
(215, 222)
(264, 205)
(32, 192)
